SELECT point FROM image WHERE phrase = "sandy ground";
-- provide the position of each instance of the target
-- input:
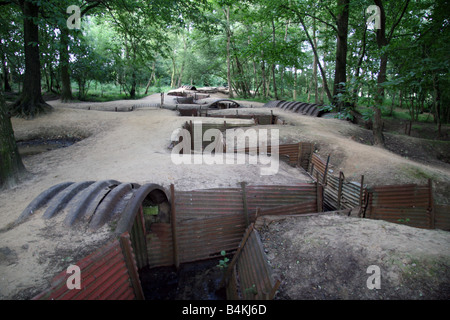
(133, 147)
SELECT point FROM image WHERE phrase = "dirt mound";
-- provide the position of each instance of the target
(328, 257)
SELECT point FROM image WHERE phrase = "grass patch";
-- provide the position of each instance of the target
(417, 173)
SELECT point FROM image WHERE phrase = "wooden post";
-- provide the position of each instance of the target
(319, 197)
(173, 220)
(244, 199)
(431, 212)
(361, 193)
(326, 171)
(341, 180)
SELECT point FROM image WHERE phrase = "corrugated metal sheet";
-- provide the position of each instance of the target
(251, 275)
(406, 204)
(300, 208)
(209, 221)
(317, 167)
(266, 197)
(312, 110)
(350, 194)
(442, 217)
(105, 275)
(160, 245)
(139, 240)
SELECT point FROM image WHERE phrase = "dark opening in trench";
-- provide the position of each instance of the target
(193, 281)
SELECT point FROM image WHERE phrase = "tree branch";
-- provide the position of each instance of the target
(391, 33)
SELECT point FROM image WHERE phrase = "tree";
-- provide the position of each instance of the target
(11, 166)
(340, 75)
(30, 102)
(383, 41)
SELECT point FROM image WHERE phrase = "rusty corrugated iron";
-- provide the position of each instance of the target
(160, 245)
(107, 274)
(442, 216)
(249, 276)
(340, 194)
(211, 220)
(405, 204)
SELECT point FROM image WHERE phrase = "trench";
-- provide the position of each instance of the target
(192, 281)
(37, 146)
(197, 280)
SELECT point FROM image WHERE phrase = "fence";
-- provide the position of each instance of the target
(412, 205)
(257, 118)
(110, 273)
(206, 222)
(407, 204)
(249, 276)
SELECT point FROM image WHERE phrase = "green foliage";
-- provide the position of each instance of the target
(223, 264)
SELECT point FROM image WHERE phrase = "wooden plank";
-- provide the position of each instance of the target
(174, 227)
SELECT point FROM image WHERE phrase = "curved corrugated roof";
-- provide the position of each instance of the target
(308, 109)
(95, 203)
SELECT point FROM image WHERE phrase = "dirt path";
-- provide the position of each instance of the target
(133, 147)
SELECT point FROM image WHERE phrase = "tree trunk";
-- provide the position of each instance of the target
(152, 77)
(316, 87)
(275, 91)
(340, 75)
(230, 87)
(66, 89)
(31, 103)
(382, 42)
(11, 165)
(295, 85)
(133, 85)
(6, 85)
(322, 72)
(437, 104)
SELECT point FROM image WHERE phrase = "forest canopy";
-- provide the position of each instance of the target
(328, 52)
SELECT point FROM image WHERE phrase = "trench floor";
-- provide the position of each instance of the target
(193, 281)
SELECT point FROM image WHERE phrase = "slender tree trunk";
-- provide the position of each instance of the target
(315, 63)
(6, 85)
(382, 42)
(133, 85)
(437, 104)
(324, 76)
(295, 85)
(11, 166)
(275, 91)
(66, 89)
(230, 88)
(152, 77)
(174, 68)
(31, 103)
(340, 75)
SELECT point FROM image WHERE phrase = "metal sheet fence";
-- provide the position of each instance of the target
(406, 204)
(442, 216)
(412, 204)
(249, 276)
(110, 273)
(212, 220)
